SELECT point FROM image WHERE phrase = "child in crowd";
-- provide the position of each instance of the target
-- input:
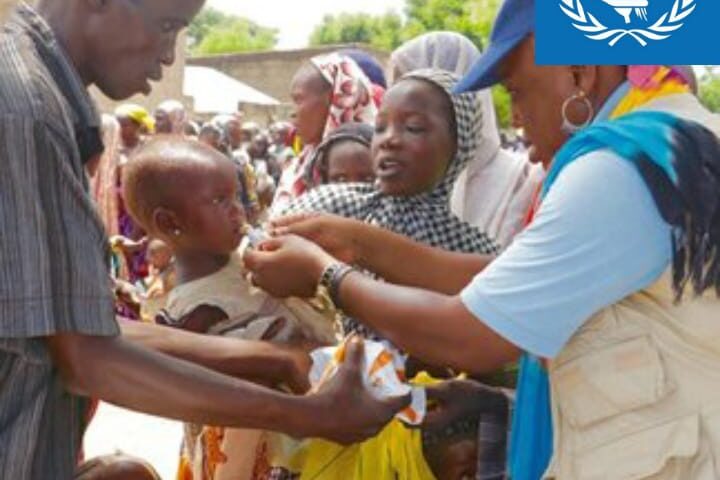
(344, 156)
(160, 280)
(185, 193)
(147, 296)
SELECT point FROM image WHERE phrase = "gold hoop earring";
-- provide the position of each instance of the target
(568, 126)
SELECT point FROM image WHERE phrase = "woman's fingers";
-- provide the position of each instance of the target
(288, 220)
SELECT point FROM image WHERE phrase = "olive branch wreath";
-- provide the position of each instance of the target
(595, 30)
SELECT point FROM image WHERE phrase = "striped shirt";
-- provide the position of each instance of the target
(53, 251)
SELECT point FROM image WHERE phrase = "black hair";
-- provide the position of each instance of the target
(356, 132)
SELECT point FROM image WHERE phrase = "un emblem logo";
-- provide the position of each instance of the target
(633, 18)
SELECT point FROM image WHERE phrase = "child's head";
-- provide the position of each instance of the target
(185, 193)
(415, 137)
(452, 454)
(344, 157)
(159, 254)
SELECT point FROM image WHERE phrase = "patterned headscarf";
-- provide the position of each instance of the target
(351, 99)
(425, 217)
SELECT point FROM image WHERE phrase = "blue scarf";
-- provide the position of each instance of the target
(679, 161)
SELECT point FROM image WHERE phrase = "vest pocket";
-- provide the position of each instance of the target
(614, 380)
(664, 451)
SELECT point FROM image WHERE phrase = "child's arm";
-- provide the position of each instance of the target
(261, 361)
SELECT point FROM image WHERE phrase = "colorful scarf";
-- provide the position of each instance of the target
(351, 98)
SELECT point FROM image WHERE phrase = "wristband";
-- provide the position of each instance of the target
(332, 278)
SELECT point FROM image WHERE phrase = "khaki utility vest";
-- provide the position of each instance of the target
(636, 391)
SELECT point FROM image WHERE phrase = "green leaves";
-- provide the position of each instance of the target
(710, 92)
(472, 18)
(383, 31)
(214, 32)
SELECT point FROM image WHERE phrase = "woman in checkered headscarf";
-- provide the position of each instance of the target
(425, 136)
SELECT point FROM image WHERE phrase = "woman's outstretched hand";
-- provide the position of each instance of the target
(348, 413)
(336, 235)
(287, 266)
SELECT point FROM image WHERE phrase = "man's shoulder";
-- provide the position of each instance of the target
(27, 90)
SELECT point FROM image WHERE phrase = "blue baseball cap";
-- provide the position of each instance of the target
(515, 21)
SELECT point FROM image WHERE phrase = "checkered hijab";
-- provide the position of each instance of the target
(425, 217)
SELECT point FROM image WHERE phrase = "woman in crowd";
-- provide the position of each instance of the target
(495, 191)
(594, 285)
(170, 118)
(327, 92)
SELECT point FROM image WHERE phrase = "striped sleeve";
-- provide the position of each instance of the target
(53, 269)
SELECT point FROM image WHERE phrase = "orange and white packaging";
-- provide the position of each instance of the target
(383, 375)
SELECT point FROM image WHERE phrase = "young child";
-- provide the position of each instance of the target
(185, 193)
(147, 297)
(344, 156)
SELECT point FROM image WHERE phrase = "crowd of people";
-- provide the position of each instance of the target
(531, 293)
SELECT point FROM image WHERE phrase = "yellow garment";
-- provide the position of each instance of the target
(138, 114)
(396, 453)
(638, 97)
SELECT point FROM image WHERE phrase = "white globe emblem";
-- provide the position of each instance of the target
(635, 15)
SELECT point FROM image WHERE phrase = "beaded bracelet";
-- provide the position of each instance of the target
(332, 277)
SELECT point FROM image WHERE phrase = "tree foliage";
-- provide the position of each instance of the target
(710, 92)
(382, 31)
(215, 32)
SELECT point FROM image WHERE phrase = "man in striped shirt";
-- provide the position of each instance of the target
(59, 341)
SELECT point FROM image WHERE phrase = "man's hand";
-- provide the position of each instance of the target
(287, 266)
(346, 412)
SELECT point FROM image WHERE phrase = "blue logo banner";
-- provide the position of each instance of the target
(627, 32)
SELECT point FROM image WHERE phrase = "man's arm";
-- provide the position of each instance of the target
(394, 257)
(244, 359)
(120, 372)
